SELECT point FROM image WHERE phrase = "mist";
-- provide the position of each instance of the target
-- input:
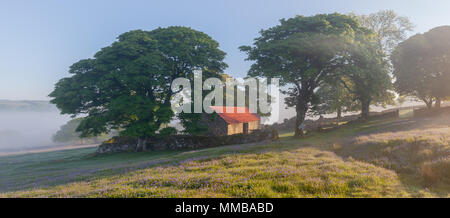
(24, 130)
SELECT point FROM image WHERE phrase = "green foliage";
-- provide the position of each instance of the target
(67, 133)
(389, 27)
(372, 83)
(127, 86)
(192, 123)
(306, 51)
(167, 131)
(367, 78)
(333, 97)
(421, 65)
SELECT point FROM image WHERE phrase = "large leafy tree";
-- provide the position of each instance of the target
(369, 77)
(390, 28)
(127, 86)
(303, 52)
(365, 78)
(422, 66)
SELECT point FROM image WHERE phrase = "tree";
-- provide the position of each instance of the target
(421, 66)
(368, 79)
(303, 52)
(127, 86)
(389, 27)
(67, 133)
(367, 75)
(334, 97)
(372, 82)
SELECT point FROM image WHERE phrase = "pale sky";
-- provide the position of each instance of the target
(39, 40)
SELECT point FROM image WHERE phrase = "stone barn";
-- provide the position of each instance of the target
(223, 122)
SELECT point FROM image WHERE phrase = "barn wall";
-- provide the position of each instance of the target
(237, 128)
(219, 127)
(253, 126)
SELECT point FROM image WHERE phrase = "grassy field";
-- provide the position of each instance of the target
(390, 158)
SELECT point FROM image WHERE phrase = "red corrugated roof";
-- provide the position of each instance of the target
(235, 116)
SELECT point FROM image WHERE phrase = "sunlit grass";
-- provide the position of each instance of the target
(421, 154)
(359, 160)
(304, 172)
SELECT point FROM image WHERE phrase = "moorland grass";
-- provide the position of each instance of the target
(341, 163)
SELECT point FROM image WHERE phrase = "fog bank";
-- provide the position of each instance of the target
(22, 130)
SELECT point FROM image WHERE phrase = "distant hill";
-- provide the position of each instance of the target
(27, 106)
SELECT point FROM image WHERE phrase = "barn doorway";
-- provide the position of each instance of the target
(245, 128)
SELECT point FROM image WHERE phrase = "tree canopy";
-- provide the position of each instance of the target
(422, 66)
(334, 97)
(389, 27)
(304, 51)
(68, 134)
(367, 77)
(127, 85)
(370, 80)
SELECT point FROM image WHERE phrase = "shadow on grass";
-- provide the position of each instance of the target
(416, 149)
(43, 170)
(33, 172)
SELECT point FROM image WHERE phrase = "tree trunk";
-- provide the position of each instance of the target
(438, 102)
(339, 116)
(365, 109)
(429, 103)
(142, 144)
(301, 109)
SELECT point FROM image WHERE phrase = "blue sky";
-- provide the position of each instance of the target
(39, 40)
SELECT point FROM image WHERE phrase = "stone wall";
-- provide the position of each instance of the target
(425, 112)
(314, 125)
(178, 142)
(386, 115)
